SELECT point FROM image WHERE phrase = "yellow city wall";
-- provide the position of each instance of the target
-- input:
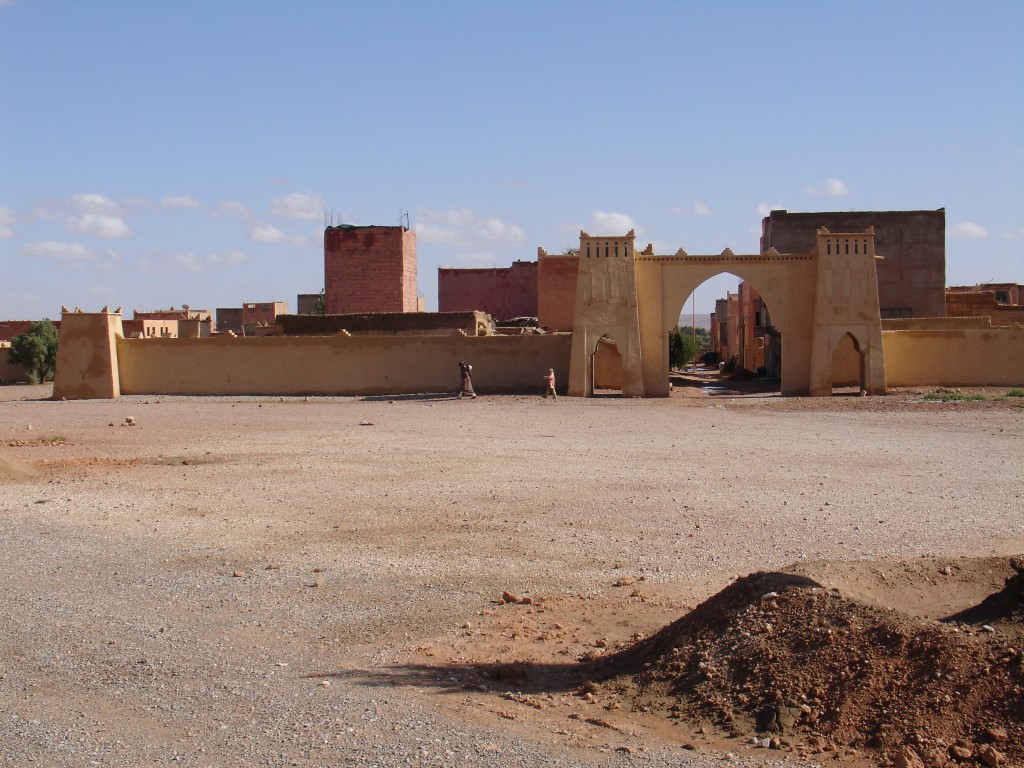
(338, 365)
(955, 358)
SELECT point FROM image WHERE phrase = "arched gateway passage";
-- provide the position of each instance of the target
(816, 299)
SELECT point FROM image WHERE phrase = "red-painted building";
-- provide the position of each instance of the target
(11, 329)
(369, 269)
(501, 292)
(556, 289)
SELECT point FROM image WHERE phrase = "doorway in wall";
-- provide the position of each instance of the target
(606, 368)
(848, 373)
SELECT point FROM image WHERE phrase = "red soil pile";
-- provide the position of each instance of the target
(777, 658)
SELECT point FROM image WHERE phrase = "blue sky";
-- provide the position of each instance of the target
(160, 153)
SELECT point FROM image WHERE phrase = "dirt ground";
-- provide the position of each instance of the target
(723, 574)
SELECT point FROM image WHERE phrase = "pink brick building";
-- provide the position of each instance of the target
(556, 289)
(369, 269)
(501, 292)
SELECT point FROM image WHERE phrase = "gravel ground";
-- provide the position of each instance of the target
(215, 585)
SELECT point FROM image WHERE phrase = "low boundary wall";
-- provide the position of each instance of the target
(338, 365)
(95, 361)
(992, 357)
(13, 372)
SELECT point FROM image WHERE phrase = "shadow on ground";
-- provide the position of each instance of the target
(524, 676)
(425, 397)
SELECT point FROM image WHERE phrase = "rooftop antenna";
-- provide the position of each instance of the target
(406, 217)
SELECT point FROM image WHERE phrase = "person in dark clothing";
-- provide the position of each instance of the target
(466, 372)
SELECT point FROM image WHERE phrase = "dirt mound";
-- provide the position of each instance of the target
(778, 658)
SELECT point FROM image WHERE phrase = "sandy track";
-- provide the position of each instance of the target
(176, 592)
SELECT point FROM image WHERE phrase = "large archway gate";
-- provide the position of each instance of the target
(816, 299)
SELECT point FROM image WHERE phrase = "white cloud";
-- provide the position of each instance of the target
(162, 261)
(232, 209)
(830, 188)
(98, 225)
(87, 214)
(180, 201)
(607, 223)
(763, 209)
(969, 230)
(94, 204)
(1015, 234)
(296, 206)
(435, 235)
(7, 220)
(266, 234)
(495, 229)
(74, 257)
(230, 258)
(461, 228)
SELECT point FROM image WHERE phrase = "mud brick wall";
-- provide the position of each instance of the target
(502, 292)
(983, 304)
(912, 273)
(556, 290)
(369, 269)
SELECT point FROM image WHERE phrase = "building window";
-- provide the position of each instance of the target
(1003, 297)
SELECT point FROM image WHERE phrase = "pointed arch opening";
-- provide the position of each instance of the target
(606, 370)
(848, 366)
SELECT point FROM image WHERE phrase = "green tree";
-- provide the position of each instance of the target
(36, 349)
(680, 348)
(703, 338)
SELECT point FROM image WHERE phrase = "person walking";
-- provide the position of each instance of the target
(466, 371)
(550, 380)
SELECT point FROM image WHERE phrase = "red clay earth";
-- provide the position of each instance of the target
(775, 661)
